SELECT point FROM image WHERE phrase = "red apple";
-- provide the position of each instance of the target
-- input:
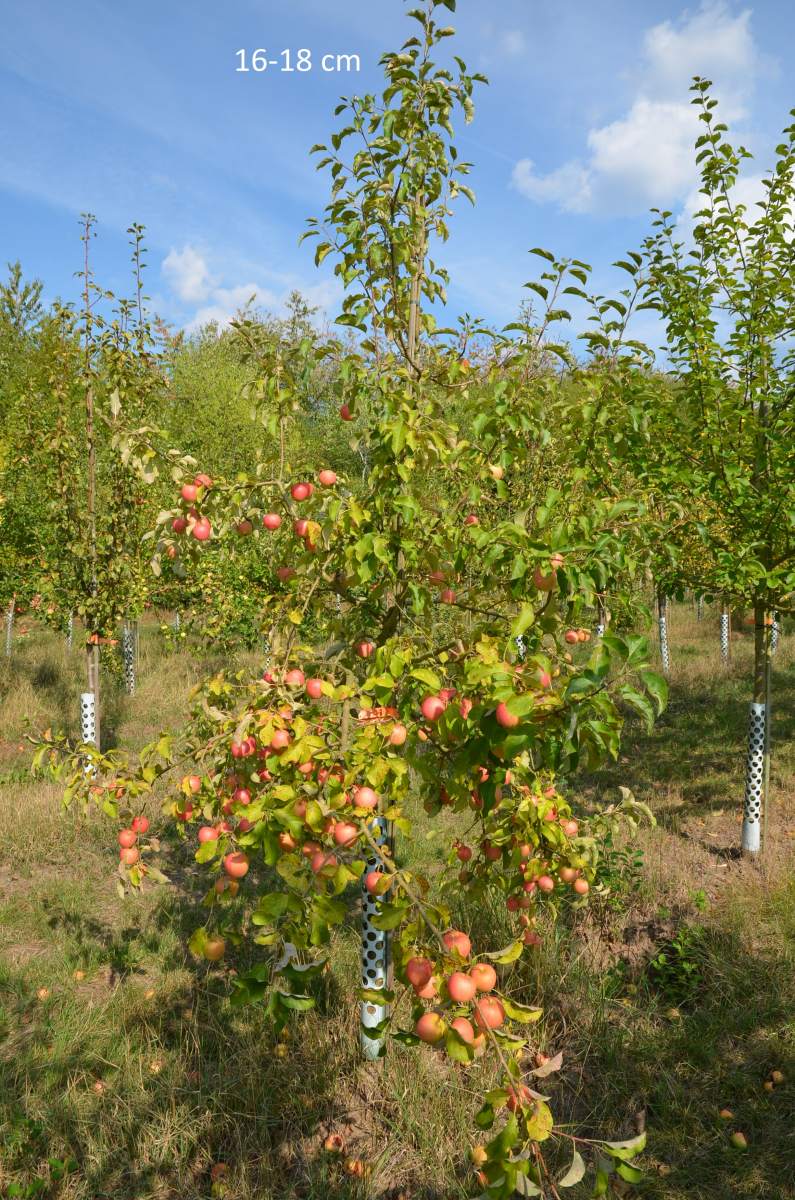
(301, 491)
(505, 717)
(140, 824)
(208, 833)
(464, 1029)
(454, 939)
(377, 883)
(461, 988)
(432, 707)
(581, 887)
(129, 855)
(546, 883)
(365, 649)
(280, 740)
(344, 833)
(202, 529)
(236, 865)
(447, 596)
(320, 860)
(346, 413)
(365, 797)
(127, 838)
(419, 972)
(214, 949)
(484, 975)
(271, 521)
(244, 528)
(203, 481)
(179, 524)
(489, 1012)
(327, 478)
(189, 492)
(300, 527)
(398, 735)
(471, 519)
(285, 573)
(428, 992)
(429, 1028)
(294, 678)
(314, 688)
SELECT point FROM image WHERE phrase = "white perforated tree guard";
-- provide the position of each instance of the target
(88, 724)
(70, 630)
(662, 624)
(699, 608)
(177, 622)
(601, 620)
(774, 634)
(376, 954)
(9, 628)
(128, 657)
(724, 635)
(754, 777)
(521, 648)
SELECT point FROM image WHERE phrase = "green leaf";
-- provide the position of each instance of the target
(539, 1123)
(523, 621)
(525, 1187)
(296, 1003)
(575, 1172)
(627, 1149)
(656, 686)
(509, 954)
(521, 1012)
(631, 1174)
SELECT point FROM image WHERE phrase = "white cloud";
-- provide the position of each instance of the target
(711, 43)
(645, 158)
(226, 303)
(187, 274)
(569, 186)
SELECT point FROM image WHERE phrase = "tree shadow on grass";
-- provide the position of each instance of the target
(698, 745)
(152, 1079)
(712, 1052)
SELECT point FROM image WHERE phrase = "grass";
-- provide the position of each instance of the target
(121, 1057)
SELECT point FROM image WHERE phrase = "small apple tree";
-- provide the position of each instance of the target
(712, 445)
(394, 615)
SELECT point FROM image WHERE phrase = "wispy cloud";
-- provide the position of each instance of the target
(645, 157)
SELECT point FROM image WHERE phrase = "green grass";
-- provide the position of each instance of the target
(672, 1000)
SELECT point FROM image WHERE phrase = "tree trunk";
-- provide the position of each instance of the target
(10, 625)
(725, 633)
(758, 725)
(662, 624)
(92, 679)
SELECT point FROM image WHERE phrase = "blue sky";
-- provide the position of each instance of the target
(136, 113)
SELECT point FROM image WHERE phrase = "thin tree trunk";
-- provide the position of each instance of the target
(757, 736)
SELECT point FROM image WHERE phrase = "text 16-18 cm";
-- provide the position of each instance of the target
(296, 60)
